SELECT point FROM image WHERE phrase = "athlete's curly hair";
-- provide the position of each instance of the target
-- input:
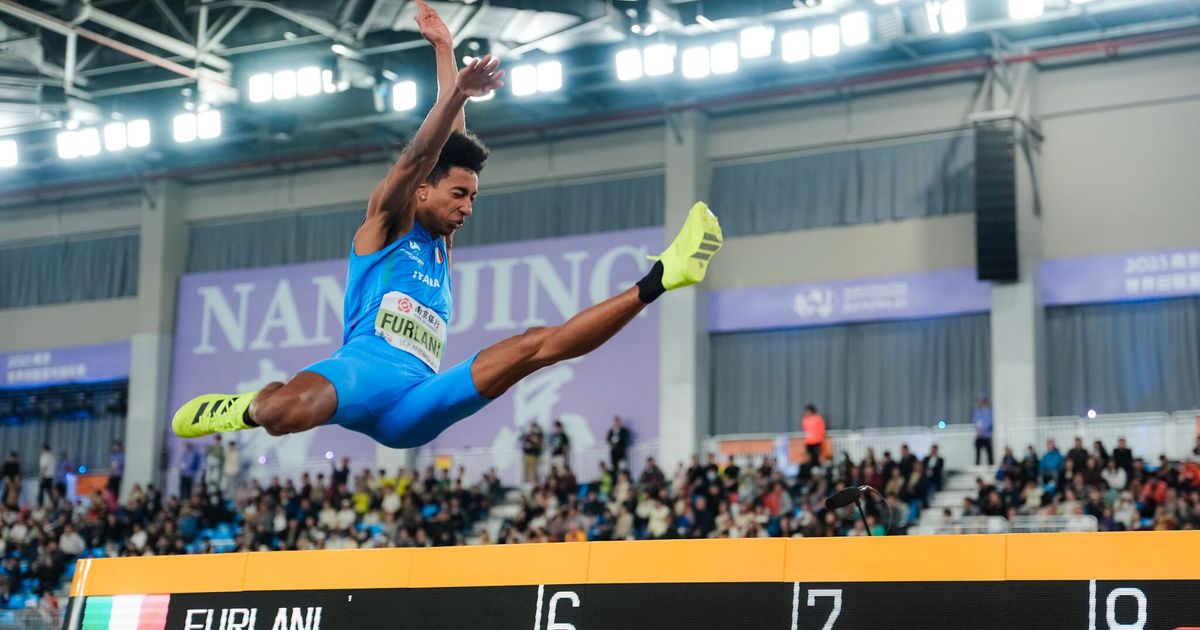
(463, 150)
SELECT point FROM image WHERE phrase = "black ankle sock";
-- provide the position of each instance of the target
(650, 287)
(246, 418)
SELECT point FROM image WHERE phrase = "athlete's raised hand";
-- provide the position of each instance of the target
(481, 76)
(432, 28)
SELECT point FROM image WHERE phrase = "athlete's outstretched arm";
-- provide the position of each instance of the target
(391, 196)
(435, 31)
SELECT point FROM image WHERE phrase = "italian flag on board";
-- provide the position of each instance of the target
(126, 612)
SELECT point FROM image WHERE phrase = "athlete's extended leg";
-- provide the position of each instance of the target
(500, 366)
(684, 263)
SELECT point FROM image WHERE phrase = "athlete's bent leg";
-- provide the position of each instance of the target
(307, 401)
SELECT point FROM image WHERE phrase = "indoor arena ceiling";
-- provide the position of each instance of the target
(68, 65)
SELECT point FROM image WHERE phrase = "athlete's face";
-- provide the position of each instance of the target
(445, 207)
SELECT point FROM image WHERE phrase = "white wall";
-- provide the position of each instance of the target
(1117, 175)
(62, 325)
(1122, 152)
(846, 252)
(93, 214)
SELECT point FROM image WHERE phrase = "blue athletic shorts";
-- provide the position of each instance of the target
(393, 397)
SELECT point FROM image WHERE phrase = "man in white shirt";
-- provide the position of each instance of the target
(47, 463)
(70, 542)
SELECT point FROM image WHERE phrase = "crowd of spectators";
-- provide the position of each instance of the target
(1121, 490)
(709, 498)
(713, 499)
(40, 540)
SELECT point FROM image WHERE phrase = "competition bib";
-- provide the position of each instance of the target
(411, 326)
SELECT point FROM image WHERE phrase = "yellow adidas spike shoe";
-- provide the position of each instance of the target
(686, 260)
(212, 413)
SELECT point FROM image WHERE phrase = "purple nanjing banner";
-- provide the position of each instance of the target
(932, 294)
(1121, 277)
(57, 366)
(238, 330)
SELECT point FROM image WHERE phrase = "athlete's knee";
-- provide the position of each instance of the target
(280, 412)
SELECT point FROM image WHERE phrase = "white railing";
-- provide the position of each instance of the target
(1000, 525)
(584, 463)
(1042, 523)
(1147, 434)
(30, 619)
(956, 443)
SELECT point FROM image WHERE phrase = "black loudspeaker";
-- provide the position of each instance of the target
(995, 202)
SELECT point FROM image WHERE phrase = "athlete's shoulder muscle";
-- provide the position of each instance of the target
(377, 231)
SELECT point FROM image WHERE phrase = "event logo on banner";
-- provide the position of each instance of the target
(239, 330)
(932, 294)
(79, 364)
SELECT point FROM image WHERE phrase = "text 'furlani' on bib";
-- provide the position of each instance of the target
(411, 326)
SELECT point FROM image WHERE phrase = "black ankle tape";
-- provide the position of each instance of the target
(650, 287)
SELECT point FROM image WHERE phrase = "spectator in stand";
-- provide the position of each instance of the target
(1029, 464)
(894, 486)
(1196, 451)
(618, 444)
(116, 468)
(981, 417)
(916, 490)
(886, 467)
(1078, 455)
(731, 475)
(71, 543)
(339, 477)
(214, 466)
(560, 447)
(1123, 456)
(652, 479)
(1010, 468)
(813, 425)
(64, 468)
(531, 451)
(231, 468)
(1114, 476)
(907, 461)
(191, 463)
(46, 465)
(1052, 463)
(11, 473)
(1091, 473)
(1100, 453)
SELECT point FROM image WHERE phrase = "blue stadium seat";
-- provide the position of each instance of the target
(21, 600)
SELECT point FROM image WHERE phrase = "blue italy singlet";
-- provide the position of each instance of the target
(388, 374)
(401, 294)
